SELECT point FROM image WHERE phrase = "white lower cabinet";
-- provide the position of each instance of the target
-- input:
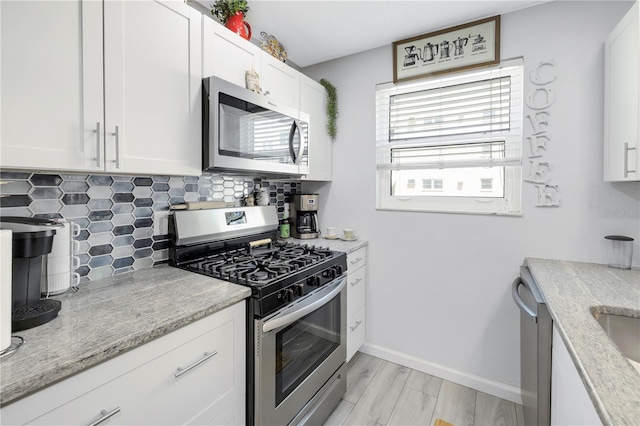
(570, 402)
(356, 292)
(195, 375)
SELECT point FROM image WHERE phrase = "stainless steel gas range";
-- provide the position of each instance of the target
(296, 316)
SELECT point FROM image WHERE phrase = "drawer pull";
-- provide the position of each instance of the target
(356, 282)
(353, 262)
(355, 326)
(105, 416)
(207, 355)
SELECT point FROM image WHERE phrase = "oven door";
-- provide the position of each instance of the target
(297, 351)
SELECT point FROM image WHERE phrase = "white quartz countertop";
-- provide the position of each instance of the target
(108, 317)
(571, 290)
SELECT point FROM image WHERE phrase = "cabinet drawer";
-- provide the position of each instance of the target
(151, 393)
(355, 332)
(355, 290)
(356, 259)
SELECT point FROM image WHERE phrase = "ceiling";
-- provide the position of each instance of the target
(317, 31)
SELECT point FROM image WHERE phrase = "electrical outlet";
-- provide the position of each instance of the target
(160, 223)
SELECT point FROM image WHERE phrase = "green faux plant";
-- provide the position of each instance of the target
(332, 107)
(225, 9)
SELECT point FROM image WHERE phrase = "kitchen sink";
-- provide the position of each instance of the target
(624, 332)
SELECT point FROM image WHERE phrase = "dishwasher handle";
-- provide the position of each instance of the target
(519, 302)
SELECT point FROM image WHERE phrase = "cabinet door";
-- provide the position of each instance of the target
(227, 55)
(313, 98)
(570, 402)
(356, 290)
(152, 83)
(355, 332)
(622, 112)
(279, 81)
(51, 84)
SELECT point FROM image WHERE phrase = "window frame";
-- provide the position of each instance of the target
(510, 204)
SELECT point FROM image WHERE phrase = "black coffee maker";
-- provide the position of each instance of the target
(303, 210)
(32, 239)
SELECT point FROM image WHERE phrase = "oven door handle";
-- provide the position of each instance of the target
(306, 306)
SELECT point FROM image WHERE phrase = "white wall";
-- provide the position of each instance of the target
(439, 284)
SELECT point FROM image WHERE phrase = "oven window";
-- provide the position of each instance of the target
(304, 345)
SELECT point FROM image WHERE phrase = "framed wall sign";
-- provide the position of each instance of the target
(471, 45)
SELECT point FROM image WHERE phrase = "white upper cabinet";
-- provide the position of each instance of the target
(51, 103)
(279, 81)
(622, 99)
(152, 82)
(227, 55)
(118, 98)
(313, 100)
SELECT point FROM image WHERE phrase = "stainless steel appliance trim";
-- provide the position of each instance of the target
(535, 353)
(105, 416)
(324, 402)
(305, 306)
(225, 162)
(197, 226)
(519, 302)
(265, 409)
(206, 357)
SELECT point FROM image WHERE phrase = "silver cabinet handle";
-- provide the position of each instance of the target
(355, 326)
(98, 145)
(356, 282)
(207, 355)
(626, 159)
(117, 135)
(105, 415)
(353, 262)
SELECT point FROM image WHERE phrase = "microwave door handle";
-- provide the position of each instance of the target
(305, 308)
(302, 142)
(296, 157)
(292, 132)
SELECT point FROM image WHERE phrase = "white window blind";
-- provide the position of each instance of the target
(453, 129)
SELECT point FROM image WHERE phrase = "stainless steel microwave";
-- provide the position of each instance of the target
(246, 132)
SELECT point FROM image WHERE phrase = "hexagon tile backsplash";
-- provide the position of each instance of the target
(116, 213)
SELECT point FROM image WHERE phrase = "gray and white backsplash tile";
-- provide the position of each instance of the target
(116, 213)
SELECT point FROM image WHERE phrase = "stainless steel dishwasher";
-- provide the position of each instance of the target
(536, 332)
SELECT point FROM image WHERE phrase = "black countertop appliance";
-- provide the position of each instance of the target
(32, 239)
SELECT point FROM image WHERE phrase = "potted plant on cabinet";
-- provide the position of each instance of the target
(231, 14)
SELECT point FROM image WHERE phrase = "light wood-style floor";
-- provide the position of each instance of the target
(383, 393)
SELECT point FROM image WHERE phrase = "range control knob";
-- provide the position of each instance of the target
(289, 295)
(298, 289)
(339, 270)
(314, 281)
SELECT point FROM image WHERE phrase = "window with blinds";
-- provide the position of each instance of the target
(460, 131)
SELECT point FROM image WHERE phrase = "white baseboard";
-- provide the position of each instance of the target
(510, 393)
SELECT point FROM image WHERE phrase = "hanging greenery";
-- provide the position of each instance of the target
(332, 107)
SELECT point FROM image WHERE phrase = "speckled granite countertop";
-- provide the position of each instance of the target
(336, 245)
(571, 289)
(108, 317)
